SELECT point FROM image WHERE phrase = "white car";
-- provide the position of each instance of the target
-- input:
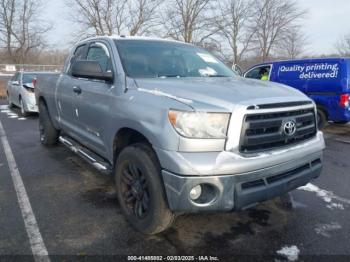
(20, 91)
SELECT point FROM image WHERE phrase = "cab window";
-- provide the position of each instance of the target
(99, 52)
(260, 73)
(78, 54)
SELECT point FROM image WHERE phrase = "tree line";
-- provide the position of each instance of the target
(234, 29)
(238, 31)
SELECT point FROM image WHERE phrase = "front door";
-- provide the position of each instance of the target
(95, 100)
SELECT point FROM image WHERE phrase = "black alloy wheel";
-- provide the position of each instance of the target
(134, 190)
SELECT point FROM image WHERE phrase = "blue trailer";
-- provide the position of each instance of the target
(325, 80)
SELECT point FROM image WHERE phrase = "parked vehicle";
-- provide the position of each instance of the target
(325, 80)
(177, 128)
(20, 91)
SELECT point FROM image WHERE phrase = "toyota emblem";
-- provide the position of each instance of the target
(289, 128)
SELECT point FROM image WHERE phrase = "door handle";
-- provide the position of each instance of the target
(77, 90)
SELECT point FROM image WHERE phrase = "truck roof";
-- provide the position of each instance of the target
(122, 37)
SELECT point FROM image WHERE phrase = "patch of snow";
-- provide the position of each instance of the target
(326, 196)
(13, 116)
(335, 206)
(291, 252)
(324, 229)
(22, 118)
(160, 93)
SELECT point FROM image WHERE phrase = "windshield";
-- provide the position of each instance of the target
(152, 59)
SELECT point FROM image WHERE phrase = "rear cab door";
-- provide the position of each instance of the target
(66, 97)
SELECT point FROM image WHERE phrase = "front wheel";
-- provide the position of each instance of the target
(48, 133)
(140, 190)
(9, 100)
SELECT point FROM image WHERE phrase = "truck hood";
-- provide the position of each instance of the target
(219, 93)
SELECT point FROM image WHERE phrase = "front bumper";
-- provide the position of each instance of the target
(241, 191)
(29, 102)
(32, 108)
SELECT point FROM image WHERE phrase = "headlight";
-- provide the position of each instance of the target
(199, 124)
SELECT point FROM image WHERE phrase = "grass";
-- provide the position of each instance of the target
(2, 89)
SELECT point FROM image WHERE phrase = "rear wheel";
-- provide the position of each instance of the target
(321, 118)
(48, 133)
(140, 190)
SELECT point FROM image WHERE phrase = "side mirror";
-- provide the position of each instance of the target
(91, 70)
(236, 68)
(15, 83)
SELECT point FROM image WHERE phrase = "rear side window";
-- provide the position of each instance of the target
(99, 52)
(78, 54)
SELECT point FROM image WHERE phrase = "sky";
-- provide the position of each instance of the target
(326, 22)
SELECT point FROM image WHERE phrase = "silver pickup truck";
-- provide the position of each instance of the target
(178, 129)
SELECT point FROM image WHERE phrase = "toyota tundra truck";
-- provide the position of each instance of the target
(178, 129)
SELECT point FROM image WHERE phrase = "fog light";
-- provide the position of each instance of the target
(196, 192)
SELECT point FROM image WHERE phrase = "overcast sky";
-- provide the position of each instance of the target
(327, 21)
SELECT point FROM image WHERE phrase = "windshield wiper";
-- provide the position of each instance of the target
(166, 76)
(217, 76)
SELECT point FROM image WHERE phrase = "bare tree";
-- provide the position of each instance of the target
(233, 20)
(190, 21)
(273, 21)
(294, 43)
(343, 45)
(21, 29)
(108, 17)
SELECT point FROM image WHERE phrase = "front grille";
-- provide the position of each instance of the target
(277, 105)
(264, 131)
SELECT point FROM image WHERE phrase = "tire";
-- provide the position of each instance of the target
(140, 190)
(48, 133)
(11, 105)
(24, 113)
(321, 118)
